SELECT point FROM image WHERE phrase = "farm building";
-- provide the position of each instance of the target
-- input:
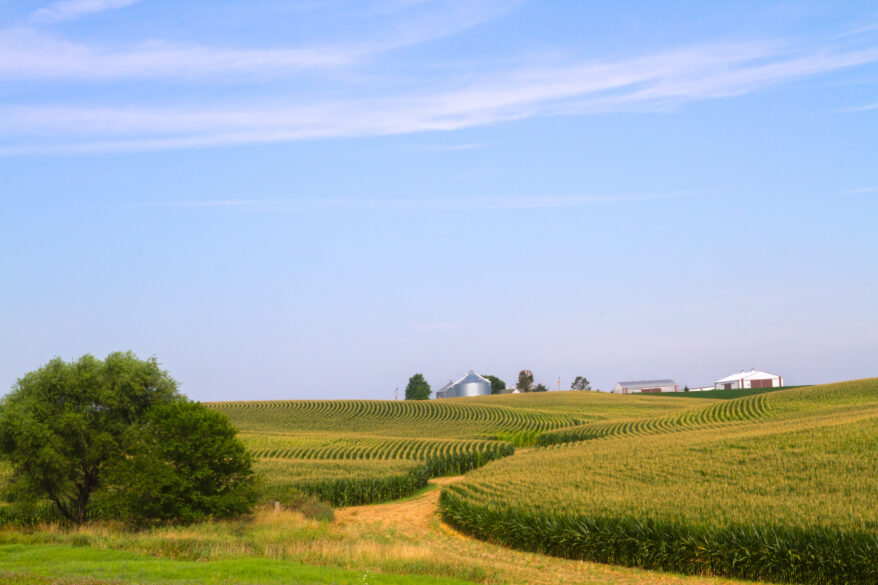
(646, 387)
(470, 385)
(447, 391)
(751, 379)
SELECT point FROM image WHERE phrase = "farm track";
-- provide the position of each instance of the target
(417, 519)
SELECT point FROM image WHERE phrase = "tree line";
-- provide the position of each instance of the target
(419, 389)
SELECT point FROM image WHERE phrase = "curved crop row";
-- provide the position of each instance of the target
(356, 491)
(413, 418)
(380, 448)
(346, 480)
(769, 552)
(370, 484)
(722, 413)
(777, 487)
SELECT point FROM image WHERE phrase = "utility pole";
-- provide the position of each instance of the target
(396, 394)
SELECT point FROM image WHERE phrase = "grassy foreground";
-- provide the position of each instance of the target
(35, 564)
(780, 487)
(399, 542)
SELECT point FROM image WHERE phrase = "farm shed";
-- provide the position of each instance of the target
(470, 385)
(646, 387)
(751, 379)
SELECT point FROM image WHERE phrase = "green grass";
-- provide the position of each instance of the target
(35, 563)
(778, 486)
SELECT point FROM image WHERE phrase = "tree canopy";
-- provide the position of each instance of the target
(581, 383)
(188, 464)
(417, 388)
(70, 430)
(497, 385)
(525, 381)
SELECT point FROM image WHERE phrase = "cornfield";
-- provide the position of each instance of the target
(320, 447)
(779, 487)
(310, 439)
(373, 477)
(409, 418)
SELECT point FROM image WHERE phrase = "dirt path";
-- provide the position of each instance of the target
(417, 514)
(416, 520)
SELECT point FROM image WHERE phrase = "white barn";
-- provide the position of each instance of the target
(646, 387)
(751, 379)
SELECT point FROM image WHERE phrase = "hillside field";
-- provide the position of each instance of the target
(390, 449)
(780, 486)
(777, 486)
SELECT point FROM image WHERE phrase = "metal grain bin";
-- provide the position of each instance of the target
(472, 385)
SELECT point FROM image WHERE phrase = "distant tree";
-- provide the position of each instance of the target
(497, 385)
(580, 383)
(417, 388)
(540, 388)
(525, 381)
(70, 429)
(685, 388)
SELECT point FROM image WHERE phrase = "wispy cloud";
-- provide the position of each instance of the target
(28, 54)
(653, 83)
(865, 108)
(72, 9)
(861, 191)
(452, 147)
(438, 204)
(358, 101)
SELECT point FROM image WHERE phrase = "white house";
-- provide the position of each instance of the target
(646, 387)
(751, 379)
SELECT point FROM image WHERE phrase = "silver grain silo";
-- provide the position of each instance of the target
(472, 385)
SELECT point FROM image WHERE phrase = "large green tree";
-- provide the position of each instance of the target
(186, 464)
(69, 430)
(417, 388)
(497, 385)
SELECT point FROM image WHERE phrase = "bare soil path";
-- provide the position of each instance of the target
(417, 519)
(416, 514)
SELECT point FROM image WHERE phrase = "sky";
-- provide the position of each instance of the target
(318, 199)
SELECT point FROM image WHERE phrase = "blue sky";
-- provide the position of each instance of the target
(308, 199)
